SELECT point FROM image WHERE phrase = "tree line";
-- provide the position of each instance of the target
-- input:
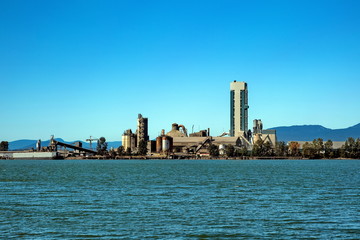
(316, 149)
(4, 146)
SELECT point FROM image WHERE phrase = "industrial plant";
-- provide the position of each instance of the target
(176, 143)
(132, 140)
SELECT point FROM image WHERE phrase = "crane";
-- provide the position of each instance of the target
(91, 140)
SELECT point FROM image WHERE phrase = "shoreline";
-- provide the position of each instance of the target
(166, 158)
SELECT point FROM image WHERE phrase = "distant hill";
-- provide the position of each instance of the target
(311, 132)
(25, 144)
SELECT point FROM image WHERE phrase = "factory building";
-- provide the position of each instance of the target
(238, 109)
(239, 118)
(201, 133)
(194, 142)
(177, 140)
(264, 135)
(177, 131)
(129, 140)
(336, 144)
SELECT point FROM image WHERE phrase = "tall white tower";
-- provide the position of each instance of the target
(238, 108)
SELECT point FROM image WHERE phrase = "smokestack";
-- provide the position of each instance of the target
(208, 132)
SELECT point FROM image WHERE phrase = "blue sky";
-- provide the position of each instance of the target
(81, 68)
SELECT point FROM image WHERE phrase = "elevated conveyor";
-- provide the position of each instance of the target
(208, 139)
(81, 149)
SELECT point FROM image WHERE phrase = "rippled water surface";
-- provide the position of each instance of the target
(197, 199)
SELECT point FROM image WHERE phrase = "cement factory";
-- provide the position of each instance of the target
(176, 143)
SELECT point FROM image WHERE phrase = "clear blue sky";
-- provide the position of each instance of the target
(81, 68)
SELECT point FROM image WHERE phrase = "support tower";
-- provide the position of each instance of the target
(142, 129)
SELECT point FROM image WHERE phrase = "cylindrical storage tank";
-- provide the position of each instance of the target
(165, 144)
(171, 143)
(126, 142)
(158, 144)
(132, 141)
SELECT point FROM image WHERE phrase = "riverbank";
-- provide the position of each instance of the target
(13, 155)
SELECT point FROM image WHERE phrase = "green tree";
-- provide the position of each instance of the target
(336, 153)
(213, 150)
(342, 151)
(258, 148)
(4, 146)
(294, 149)
(268, 149)
(351, 148)
(328, 148)
(242, 152)
(230, 150)
(101, 146)
(318, 147)
(128, 152)
(142, 149)
(281, 149)
(120, 151)
(357, 148)
(112, 153)
(308, 150)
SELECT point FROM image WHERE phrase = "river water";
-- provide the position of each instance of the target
(180, 199)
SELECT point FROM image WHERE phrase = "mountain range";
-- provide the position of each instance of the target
(311, 132)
